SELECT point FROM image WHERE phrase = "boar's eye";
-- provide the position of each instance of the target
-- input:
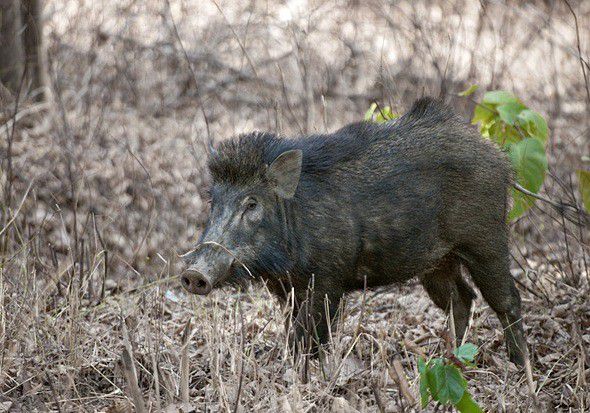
(252, 210)
(251, 204)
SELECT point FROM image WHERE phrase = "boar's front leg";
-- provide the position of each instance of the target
(315, 313)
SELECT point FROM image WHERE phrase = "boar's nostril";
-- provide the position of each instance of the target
(195, 282)
(202, 286)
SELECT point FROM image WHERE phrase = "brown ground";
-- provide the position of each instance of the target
(103, 189)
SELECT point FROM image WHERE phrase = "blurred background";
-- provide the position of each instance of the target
(107, 109)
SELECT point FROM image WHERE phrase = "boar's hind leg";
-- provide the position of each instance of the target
(446, 286)
(492, 277)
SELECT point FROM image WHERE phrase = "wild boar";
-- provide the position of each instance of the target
(370, 204)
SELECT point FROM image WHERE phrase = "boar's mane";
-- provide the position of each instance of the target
(243, 159)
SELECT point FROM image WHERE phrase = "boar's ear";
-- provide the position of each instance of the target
(284, 172)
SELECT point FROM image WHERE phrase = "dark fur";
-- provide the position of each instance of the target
(415, 197)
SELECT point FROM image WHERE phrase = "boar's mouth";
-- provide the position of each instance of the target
(208, 268)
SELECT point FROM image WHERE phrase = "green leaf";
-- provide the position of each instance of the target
(369, 113)
(469, 91)
(584, 177)
(468, 405)
(446, 383)
(466, 352)
(482, 114)
(509, 112)
(424, 385)
(455, 382)
(484, 129)
(511, 135)
(379, 115)
(534, 124)
(385, 114)
(502, 134)
(499, 97)
(424, 395)
(435, 381)
(530, 164)
(421, 365)
(520, 204)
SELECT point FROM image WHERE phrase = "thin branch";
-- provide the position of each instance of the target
(18, 209)
(190, 66)
(237, 38)
(560, 206)
(580, 51)
(184, 365)
(131, 375)
(242, 354)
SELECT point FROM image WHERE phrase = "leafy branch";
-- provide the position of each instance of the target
(522, 133)
(441, 380)
(379, 114)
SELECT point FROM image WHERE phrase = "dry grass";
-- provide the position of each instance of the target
(102, 188)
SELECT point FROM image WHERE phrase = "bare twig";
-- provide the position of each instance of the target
(580, 52)
(131, 375)
(402, 381)
(250, 63)
(242, 355)
(53, 392)
(569, 211)
(184, 366)
(148, 226)
(378, 398)
(155, 368)
(528, 370)
(194, 75)
(130, 370)
(18, 209)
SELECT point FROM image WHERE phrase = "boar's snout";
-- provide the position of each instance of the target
(206, 269)
(195, 282)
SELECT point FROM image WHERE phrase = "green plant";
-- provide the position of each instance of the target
(522, 133)
(442, 381)
(379, 114)
(584, 178)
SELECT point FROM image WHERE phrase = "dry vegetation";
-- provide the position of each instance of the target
(101, 189)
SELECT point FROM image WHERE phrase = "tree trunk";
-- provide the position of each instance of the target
(11, 44)
(33, 45)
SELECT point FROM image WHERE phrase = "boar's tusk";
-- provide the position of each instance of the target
(186, 253)
(230, 253)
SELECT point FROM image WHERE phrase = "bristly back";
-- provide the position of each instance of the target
(243, 160)
(428, 109)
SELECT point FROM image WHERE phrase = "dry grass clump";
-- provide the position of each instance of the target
(103, 187)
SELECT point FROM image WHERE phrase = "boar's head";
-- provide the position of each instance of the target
(245, 232)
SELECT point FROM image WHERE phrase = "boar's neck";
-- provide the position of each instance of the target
(288, 231)
(285, 213)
